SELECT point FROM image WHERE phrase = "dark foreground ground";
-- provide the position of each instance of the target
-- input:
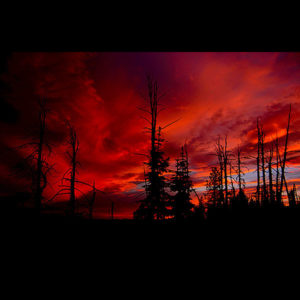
(250, 254)
(236, 226)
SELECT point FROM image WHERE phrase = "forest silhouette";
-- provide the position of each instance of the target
(167, 195)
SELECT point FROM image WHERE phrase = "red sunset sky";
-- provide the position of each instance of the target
(212, 94)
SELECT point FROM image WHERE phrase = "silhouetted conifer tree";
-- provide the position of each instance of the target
(156, 204)
(293, 199)
(199, 210)
(182, 185)
(213, 186)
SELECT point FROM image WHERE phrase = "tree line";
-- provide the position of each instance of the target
(169, 197)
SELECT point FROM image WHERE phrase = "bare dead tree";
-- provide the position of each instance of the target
(69, 187)
(277, 170)
(257, 162)
(284, 156)
(38, 159)
(39, 188)
(242, 199)
(74, 143)
(231, 180)
(271, 192)
(219, 153)
(240, 179)
(92, 199)
(225, 160)
(287, 190)
(66, 190)
(264, 195)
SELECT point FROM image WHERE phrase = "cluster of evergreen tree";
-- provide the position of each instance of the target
(160, 204)
(225, 186)
(182, 185)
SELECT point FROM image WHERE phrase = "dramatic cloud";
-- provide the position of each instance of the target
(213, 94)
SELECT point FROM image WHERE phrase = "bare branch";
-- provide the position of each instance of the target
(170, 123)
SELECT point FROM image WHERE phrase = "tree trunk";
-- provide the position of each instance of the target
(38, 195)
(257, 162)
(92, 202)
(271, 192)
(239, 169)
(72, 184)
(265, 197)
(284, 156)
(277, 171)
(225, 172)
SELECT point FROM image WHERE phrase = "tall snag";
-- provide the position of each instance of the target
(156, 202)
(262, 144)
(239, 168)
(241, 198)
(74, 145)
(271, 192)
(284, 156)
(37, 159)
(69, 181)
(92, 199)
(39, 189)
(69, 188)
(277, 170)
(225, 159)
(258, 163)
(233, 196)
(220, 155)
